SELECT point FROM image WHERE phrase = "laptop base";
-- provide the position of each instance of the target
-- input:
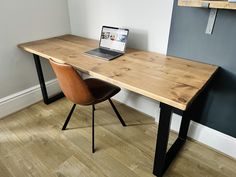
(104, 54)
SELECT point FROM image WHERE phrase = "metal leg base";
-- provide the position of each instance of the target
(93, 146)
(117, 113)
(68, 117)
(162, 158)
(42, 83)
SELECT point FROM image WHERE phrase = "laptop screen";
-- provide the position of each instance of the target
(114, 39)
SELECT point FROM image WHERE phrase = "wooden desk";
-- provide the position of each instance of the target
(174, 82)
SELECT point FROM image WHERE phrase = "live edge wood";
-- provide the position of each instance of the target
(170, 80)
(217, 4)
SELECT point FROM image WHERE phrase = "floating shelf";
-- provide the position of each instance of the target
(216, 4)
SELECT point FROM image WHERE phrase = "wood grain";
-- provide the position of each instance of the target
(170, 80)
(32, 144)
(220, 4)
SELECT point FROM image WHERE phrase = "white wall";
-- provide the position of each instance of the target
(22, 21)
(148, 21)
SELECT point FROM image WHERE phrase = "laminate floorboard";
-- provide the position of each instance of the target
(33, 145)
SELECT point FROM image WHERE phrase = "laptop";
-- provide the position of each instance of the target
(112, 43)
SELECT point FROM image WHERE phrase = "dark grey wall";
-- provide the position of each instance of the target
(188, 40)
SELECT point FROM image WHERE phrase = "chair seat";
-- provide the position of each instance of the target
(101, 90)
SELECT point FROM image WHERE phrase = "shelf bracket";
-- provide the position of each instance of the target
(211, 21)
(205, 5)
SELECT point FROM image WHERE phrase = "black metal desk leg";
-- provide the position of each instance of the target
(42, 83)
(162, 139)
(163, 158)
(183, 131)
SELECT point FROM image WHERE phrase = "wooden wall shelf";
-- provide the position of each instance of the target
(217, 4)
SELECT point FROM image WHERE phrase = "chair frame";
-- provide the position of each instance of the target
(93, 116)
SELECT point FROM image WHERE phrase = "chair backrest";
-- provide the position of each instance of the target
(72, 85)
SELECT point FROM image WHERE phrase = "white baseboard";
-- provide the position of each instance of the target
(208, 136)
(22, 99)
(215, 139)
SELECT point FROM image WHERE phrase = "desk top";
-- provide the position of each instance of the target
(170, 80)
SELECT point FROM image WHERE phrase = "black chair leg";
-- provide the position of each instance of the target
(68, 117)
(93, 147)
(117, 113)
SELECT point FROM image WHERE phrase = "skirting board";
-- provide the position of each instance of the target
(215, 139)
(208, 136)
(25, 98)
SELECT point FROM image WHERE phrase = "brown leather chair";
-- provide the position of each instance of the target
(83, 92)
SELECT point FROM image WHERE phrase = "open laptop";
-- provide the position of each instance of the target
(112, 43)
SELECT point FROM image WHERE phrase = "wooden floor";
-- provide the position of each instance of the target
(33, 145)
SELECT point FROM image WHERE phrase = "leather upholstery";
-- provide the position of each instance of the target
(79, 91)
(101, 90)
(72, 84)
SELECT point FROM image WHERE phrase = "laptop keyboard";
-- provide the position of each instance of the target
(107, 52)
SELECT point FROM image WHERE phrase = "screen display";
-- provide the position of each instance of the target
(114, 39)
